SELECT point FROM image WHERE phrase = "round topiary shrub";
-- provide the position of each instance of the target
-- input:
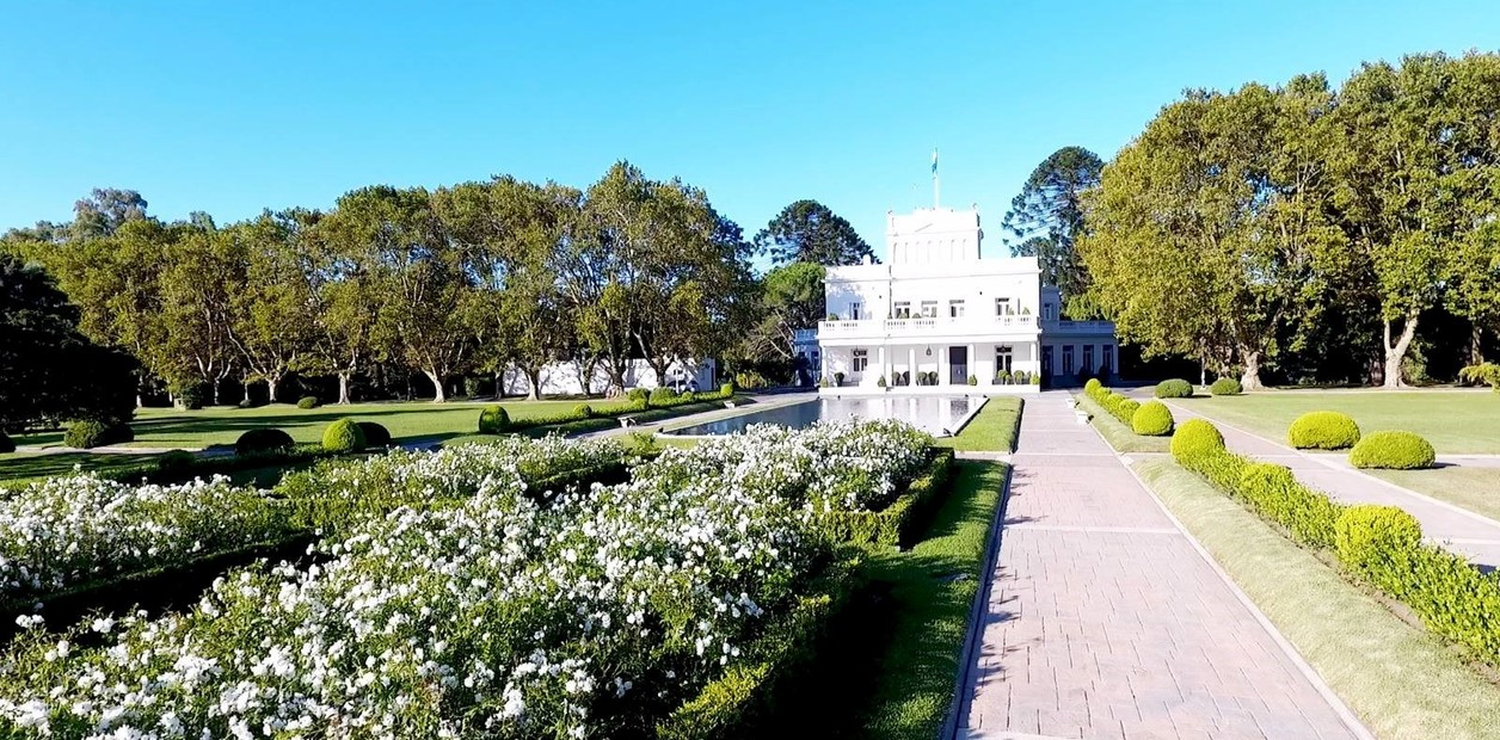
(174, 461)
(662, 396)
(1195, 437)
(726, 390)
(493, 420)
(1174, 388)
(1369, 536)
(1394, 451)
(1091, 386)
(308, 402)
(90, 433)
(1323, 430)
(343, 437)
(257, 441)
(584, 410)
(637, 394)
(1127, 406)
(1226, 387)
(1152, 419)
(376, 435)
(6, 444)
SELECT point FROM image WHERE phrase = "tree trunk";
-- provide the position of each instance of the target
(214, 384)
(440, 394)
(344, 387)
(271, 385)
(246, 385)
(533, 379)
(1476, 344)
(1250, 379)
(1395, 353)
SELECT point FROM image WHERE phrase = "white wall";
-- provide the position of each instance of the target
(566, 377)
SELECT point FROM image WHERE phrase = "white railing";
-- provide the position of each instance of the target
(920, 325)
(1079, 327)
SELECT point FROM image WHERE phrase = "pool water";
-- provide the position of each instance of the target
(939, 416)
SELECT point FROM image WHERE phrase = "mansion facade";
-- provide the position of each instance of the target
(939, 315)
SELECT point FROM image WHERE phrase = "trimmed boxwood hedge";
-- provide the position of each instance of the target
(376, 435)
(308, 402)
(900, 522)
(1226, 387)
(1174, 388)
(1378, 545)
(493, 420)
(1152, 419)
(343, 437)
(1323, 430)
(1394, 451)
(1195, 437)
(257, 441)
(90, 433)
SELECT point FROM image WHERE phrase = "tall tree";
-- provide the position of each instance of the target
(105, 210)
(272, 327)
(792, 298)
(203, 275)
(1047, 216)
(808, 231)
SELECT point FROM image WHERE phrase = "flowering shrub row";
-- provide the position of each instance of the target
(595, 613)
(1378, 545)
(64, 531)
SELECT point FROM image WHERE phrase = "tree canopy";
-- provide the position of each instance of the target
(1047, 216)
(808, 231)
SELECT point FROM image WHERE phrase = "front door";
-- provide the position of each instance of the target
(958, 365)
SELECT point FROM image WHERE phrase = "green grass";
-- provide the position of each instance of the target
(1401, 681)
(1453, 421)
(1119, 436)
(23, 467)
(993, 429)
(174, 428)
(1475, 489)
(931, 592)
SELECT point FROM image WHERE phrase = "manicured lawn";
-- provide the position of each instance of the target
(993, 429)
(22, 467)
(1453, 421)
(931, 591)
(1121, 437)
(1475, 489)
(172, 428)
(1401, 681)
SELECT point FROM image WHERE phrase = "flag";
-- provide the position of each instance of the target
(934, 161)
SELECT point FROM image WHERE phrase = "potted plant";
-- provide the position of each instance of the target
(880, 382)
(973, 380)
(838, 379)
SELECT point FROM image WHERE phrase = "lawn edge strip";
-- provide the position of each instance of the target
(973, 630)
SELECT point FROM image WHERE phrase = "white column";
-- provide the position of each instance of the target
(822, 365)
(973, 363)
(911, 364)
(885, 372)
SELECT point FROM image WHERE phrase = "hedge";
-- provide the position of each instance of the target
(89, 433)
(743, 702)
(1323, 430)
(1226, 387)
(258, 441)
(1394, 451)
(493, 420)
(1152, 419)
(1194, 437)
(1174, 388)
(376, 435)
(6, 443)
(1378, 545)
(900, 522)
(586, 418)
(343, 437)
(308, 402)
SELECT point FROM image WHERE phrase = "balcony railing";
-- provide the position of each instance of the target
(1078, 327)
(926, 325)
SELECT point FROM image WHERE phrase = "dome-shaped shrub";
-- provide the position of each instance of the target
(493, 420)
(343, 437)
(308, 402)
(1091, 385)
(1323, 430)
(6, 444)
(1226, 387)
(257, 441)
(637, 394)
(662, 396)
(1195, 437)
(583, 410)
(376, 435)
(1174, 388)
(89, 433)
(1152, 419)
(1393, 450)
(726, 390)
(1367, 536)
(174, 461)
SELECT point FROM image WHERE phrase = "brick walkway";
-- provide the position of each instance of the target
(1474, 535)
(1104, 620)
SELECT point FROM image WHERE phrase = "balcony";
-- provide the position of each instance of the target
(923, 328)
(1078, 327)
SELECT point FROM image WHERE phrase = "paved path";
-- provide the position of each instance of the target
(1104, 620)
(1474, 535)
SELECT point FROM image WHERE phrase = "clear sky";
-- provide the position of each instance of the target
(233, 107)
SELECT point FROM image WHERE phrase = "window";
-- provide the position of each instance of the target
(929, 309)
(903, 309)
(955, 309)
(1088, 358)
(1003, 307)
(1107, 367)
(854, 311)
(1067, 368)
(861, 360)
(1047, 312)
(1003, 356)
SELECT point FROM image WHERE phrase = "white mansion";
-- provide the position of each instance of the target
(939, 315)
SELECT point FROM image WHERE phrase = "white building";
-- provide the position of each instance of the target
(938, 314)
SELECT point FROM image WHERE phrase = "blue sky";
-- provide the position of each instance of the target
(232, 107)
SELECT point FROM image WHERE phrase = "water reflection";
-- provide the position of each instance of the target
(936, 415)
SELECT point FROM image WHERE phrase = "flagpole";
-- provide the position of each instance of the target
(936, 183)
